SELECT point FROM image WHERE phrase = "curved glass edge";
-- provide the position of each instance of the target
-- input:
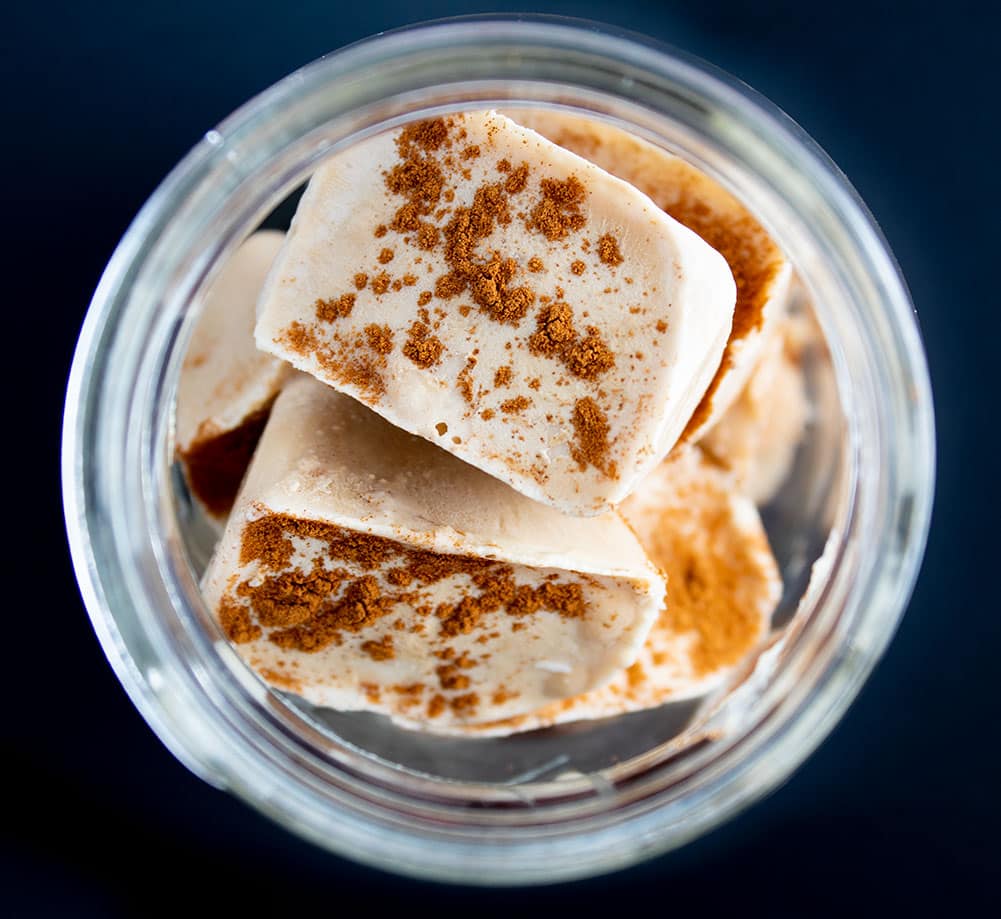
(86, 520)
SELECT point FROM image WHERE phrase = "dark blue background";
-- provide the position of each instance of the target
(898, 809)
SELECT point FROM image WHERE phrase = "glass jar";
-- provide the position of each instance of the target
(570, 801)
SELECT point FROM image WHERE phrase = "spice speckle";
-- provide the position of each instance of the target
(608, 250)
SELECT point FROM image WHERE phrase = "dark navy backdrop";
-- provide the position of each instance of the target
(898, 808)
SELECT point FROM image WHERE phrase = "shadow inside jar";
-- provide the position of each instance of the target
(578, 747)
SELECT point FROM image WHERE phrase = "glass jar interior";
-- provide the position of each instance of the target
(799, 520)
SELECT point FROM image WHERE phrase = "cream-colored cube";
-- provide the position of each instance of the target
(364, 568)
(513, 303)
(761, 271)
(226, 385)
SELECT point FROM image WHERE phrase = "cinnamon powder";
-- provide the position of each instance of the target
(330, 310)
(292, 597)
(236, 623)
(362, 605)
(608, 250)
(555, 336)
(591, 445)
(339, 359)
(515, 405)
(554, 331)
(590, 357)
(517, 180)
(558, 212)
(380, 338)
(423, 348)
(305, 614)
(215, 465)
(381, 650)
(715, 587)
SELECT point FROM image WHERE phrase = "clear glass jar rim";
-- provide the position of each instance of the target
(121, 567)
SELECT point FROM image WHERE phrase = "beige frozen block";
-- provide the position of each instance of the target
(757, 437)
(700, 203)
(723, 585)
(364, 568)
(505, 299)
(226, 385)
